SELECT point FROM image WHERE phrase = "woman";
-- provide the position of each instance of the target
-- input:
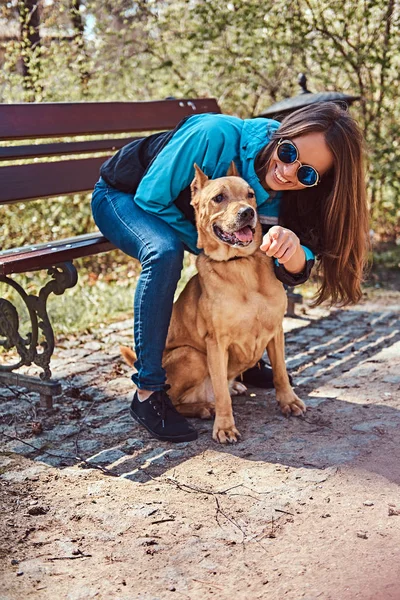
(308, 177)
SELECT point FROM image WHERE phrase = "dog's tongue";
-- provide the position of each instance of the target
(245, 234)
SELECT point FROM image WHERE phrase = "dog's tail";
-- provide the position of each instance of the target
(128, 355)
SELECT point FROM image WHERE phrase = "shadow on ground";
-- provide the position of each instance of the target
(343, 364)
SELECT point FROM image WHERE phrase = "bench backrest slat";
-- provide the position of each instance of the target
(24, 121)
(56, 149)
(29, 171)
(42, 180)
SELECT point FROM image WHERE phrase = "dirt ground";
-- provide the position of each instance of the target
(308, 508)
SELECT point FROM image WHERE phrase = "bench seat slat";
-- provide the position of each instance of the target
(43, 256)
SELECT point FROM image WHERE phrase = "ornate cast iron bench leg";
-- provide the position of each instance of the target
(64, 276)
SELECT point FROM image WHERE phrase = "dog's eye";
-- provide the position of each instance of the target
(250, 195)
(219, 198)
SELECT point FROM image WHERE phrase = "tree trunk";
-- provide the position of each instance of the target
(82, 57)
(29, 18)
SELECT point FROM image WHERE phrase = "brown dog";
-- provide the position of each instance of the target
(228, 313)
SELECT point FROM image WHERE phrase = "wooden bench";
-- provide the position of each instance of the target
(38, 178)
(76, 171)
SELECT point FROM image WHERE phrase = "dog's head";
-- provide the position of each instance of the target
(226, 215)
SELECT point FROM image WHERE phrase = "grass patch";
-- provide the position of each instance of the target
(104, 294)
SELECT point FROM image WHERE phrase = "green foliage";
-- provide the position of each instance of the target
(245, 53)
(46, 220)
(388, 257)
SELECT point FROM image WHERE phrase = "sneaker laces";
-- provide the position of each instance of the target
(161, 402)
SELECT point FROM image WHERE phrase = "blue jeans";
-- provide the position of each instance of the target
(160, 251)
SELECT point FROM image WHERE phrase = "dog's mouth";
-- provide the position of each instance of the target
(241, 237)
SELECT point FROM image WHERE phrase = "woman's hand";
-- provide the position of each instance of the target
(283, 244)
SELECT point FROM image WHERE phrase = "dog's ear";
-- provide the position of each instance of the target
(199, 180)
(232, 171)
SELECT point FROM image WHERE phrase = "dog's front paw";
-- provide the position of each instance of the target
(290, 404)
(225, 432)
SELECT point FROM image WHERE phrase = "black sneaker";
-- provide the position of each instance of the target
(260, 376)
(159, 416)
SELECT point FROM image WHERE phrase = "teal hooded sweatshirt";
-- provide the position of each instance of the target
(212, 141)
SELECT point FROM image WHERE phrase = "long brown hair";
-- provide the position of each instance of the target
(332, 217)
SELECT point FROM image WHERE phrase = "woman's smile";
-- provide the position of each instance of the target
(278, 176)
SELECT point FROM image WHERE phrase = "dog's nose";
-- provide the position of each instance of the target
(246, 214)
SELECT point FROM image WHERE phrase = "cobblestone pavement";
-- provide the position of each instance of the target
(91, 420)
(346, 367)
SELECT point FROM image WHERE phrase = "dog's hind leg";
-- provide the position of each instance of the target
(288, 401)
(187, 374)
(236, 388)
(198, 401)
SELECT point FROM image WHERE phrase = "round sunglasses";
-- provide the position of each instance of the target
(288, 154)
